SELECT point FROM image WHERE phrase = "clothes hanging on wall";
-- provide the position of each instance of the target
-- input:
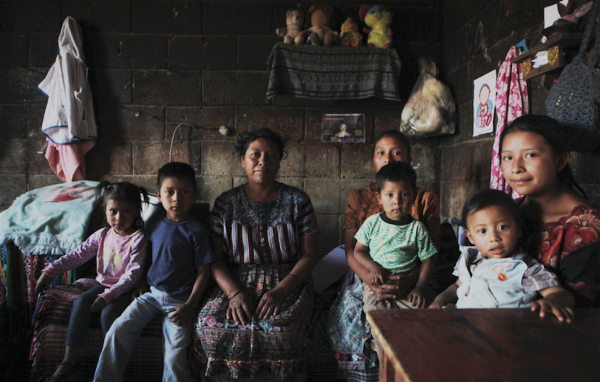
(69, 117)
(512, 101)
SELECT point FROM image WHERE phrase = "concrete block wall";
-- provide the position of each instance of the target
(170, 73)
(477, 37)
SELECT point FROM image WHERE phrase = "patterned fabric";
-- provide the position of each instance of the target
(263, 233)
(397, 248)
(570, 248)
(363, 203)
(265, 239)
(512, 101)
(333, 72)
(348, 328)
(50, 323)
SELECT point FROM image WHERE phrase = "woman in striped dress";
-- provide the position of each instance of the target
(255, 324)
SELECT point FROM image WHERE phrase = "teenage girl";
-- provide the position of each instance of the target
(121, 250)
(562, 228)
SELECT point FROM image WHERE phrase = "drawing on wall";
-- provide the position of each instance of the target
(343, 128)
(484, 95)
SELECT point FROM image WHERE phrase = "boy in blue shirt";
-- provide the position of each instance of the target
(179, 271)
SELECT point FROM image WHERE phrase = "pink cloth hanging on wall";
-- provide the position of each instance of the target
(68, 161)
(512, 101)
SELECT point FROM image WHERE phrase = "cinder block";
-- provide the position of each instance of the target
(15, 156)
(329, 232)
(146, 181)
(169, 17)
(108, 158)
(453, 196)
(250, 88)
(159, 87)
(426, 24)
(18, 85)
(107, 16)
(210, 187)
(322, 160)
(11, 186)
(42, 49)
(346, 187)
(15, 46)
(325, 194)
(107, 50)
(253, 51)
(385, 120)
(293, 182)
(467, 161)
(357, 161)
(39, 181)
(286, 121)
(35, 117)
(232, 17)
(149, 156)
(424, 161)
(37, 162)
(17, 15)
(585, 167)
(110, 85)
(132, 122)
(218, 160)
(202, 53)
(293, 164)
(148, 51)
(200, 123)
(14, 121)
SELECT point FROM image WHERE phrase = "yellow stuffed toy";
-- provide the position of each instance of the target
(378, 18)
(350, 35)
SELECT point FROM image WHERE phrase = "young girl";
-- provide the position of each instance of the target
(120, 250)
(498, 274)
(561, 227)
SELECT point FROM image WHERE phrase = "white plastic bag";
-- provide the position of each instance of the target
(430, 108)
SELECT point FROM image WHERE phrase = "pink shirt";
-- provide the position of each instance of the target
(119, 263)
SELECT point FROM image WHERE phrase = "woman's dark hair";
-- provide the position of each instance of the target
(555, 134)
(244, 139)
(393, 134)
(481, 200)
(177, 170)
(396, 172)
(125, 192)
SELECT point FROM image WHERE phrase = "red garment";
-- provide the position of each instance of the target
(68, 160)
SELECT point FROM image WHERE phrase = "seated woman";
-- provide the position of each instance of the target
(255, 325)
(562, 229)
(349, 330)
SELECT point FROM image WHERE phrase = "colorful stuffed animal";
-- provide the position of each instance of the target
(350, 35)
(319, 32)
(378, 18)
(294, 20)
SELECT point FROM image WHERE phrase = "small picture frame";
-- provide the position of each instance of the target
(343, 128)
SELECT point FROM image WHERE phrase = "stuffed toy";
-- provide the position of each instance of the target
(294, 20)
(350, 35)
(378, 18)
(319, 32)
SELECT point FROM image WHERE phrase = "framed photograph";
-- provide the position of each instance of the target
(343, 128)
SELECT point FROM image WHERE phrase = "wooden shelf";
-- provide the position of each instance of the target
(561, 47)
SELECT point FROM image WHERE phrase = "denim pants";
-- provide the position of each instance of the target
(79, 323)
(120, 339)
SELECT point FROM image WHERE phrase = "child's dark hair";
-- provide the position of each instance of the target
(555, 134)
(481, 200)
(125, 192)
(393, 134)
(244, 139)
(177, 170)
(396, 172)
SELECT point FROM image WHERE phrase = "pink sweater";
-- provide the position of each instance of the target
(120, 260)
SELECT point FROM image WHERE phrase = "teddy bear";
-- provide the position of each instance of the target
(350, 35)
(294, 20)
(378, 18)
(319, 32)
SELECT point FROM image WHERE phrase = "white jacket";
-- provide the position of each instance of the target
(69, 116)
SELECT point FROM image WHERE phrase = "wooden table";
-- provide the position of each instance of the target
(486, 345)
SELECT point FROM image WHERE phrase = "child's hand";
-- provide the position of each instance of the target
(98, 305)
(181, 315)
(377, 275)
(417, 297)
(42, 283)
(437, 304)
(546, 305)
